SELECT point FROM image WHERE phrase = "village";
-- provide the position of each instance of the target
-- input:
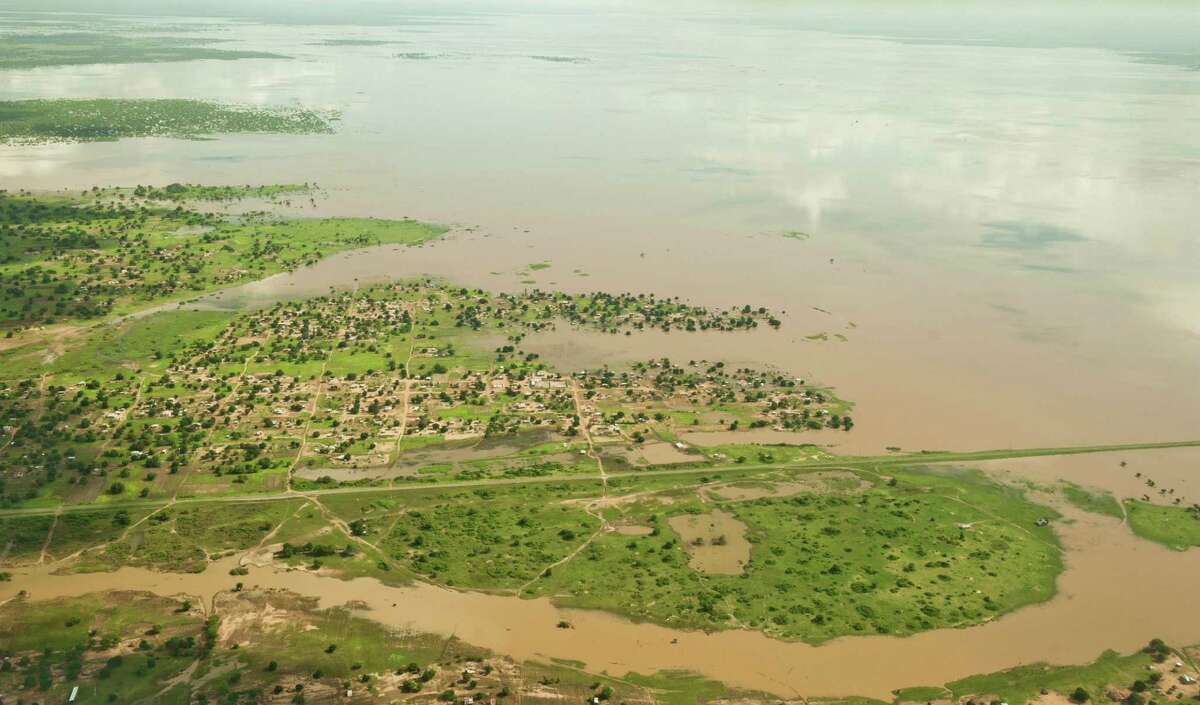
(361, 380)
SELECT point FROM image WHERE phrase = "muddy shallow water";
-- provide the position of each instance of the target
(1116, 592)
(715, 542)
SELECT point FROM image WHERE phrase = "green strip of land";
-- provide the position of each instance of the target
(724, 471)
(27, 51)
(109, 119)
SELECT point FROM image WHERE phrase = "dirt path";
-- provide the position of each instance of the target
(585, 426)
(405, 399)
(868, 463)
(312, 413)
(49, 538)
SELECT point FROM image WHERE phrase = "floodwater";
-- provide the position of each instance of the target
(998, 249)
(1116, 592)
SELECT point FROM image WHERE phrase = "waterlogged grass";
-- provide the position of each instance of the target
(354, 42)
(25, 51)
(928, 552)
(679, 687)
(80, 258)
(110, 119)
(1176, 527)
(1093, 500)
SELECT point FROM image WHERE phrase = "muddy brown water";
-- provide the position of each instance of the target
(715, 542)
(1117, 592)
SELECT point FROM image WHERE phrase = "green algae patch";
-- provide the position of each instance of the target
(110, 119)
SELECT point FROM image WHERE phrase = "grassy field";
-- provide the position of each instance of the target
(182, 193)
(26, 51)
(491, 539)
(890, 559)
(1022, 684)
(109, 119)
(1176, 527)
(79, 258)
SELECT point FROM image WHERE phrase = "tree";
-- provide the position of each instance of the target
(1080, 696)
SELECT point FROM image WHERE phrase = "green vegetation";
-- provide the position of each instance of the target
(681, 688)
(1023, 684)
(1093, 500)
(1176, 527)
(928, 551)
(183, 540)
(354, 42)
(24, 51)
(109, 119)
(486, 539)
(68, 258)
(195, 192)
(278, 647)
(920, 694)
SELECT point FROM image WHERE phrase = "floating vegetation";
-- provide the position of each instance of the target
(47, 121)
(195, 192)
(795, 235)
(419, 56)
(353, 43)
(25, 51)
(561, 59)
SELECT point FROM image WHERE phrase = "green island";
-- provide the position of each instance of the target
(27, 51)
(410, 433)
(47, 121)
(194, 193)
(1174, 526)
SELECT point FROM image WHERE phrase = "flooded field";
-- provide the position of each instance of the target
(715, 542)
